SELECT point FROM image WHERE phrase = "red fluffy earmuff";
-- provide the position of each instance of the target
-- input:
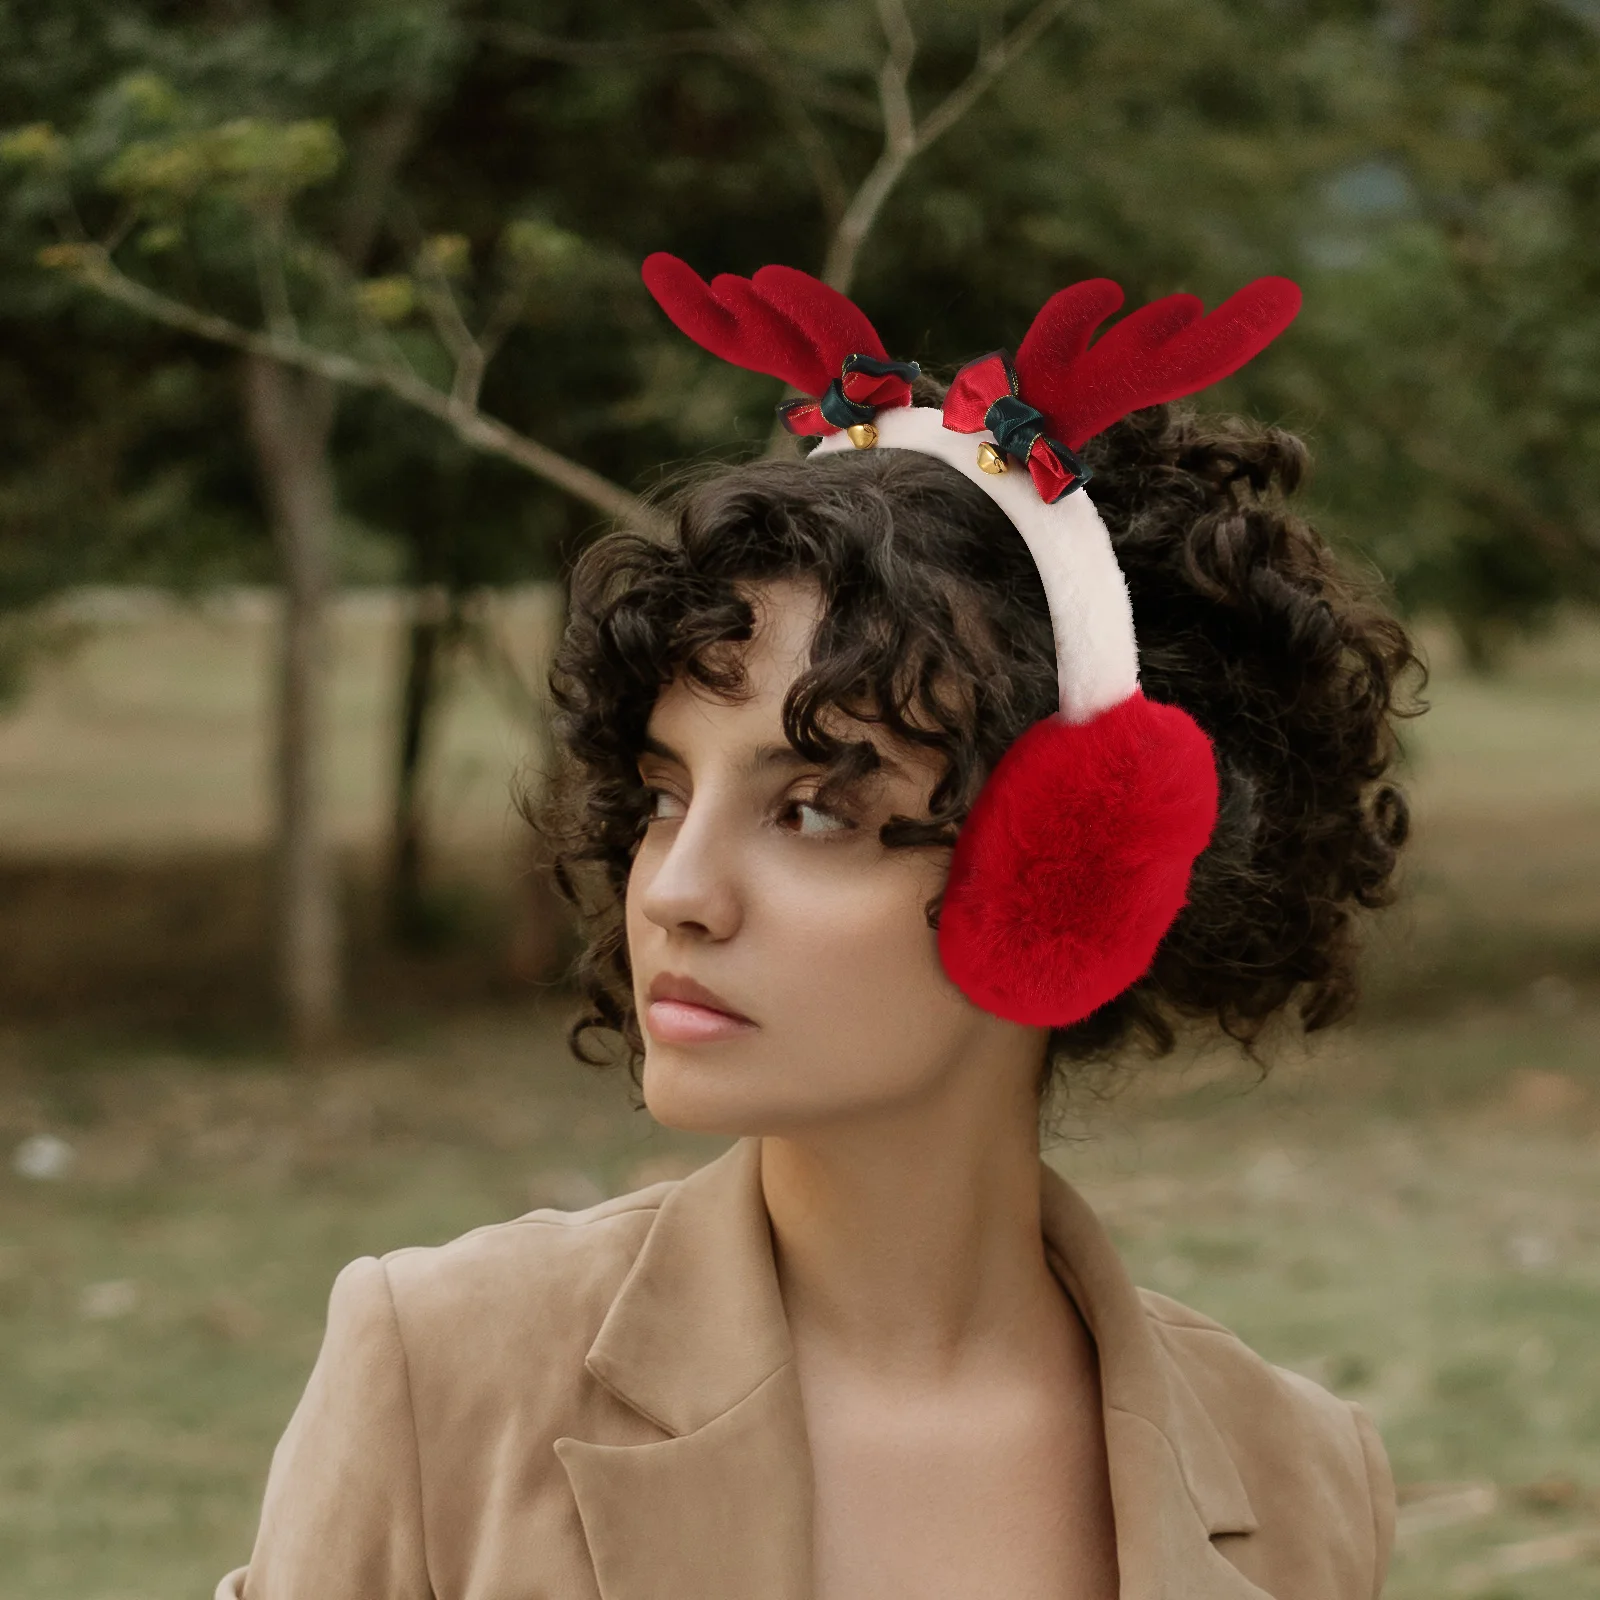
(1075, 860)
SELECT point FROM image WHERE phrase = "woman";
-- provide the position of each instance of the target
(878, 1349)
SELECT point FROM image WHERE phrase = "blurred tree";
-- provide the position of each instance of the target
(1457, 328)
(109, 469)
(170, 161)
(1427, 171)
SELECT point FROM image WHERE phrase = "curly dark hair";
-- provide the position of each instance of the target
(935, 626)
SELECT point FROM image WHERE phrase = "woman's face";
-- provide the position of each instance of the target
(800, 920)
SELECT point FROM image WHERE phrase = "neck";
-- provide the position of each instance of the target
(909, 1244)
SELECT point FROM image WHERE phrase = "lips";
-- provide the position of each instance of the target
(678, 986)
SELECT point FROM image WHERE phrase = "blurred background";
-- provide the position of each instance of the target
(324, 352)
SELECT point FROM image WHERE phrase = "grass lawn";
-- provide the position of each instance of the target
(155, 731)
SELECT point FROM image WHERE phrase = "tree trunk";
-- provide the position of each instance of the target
(290, 417)
(540, 935)
(429, 638)
(288, 420)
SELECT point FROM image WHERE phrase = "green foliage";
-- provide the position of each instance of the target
(536, 246)
(449, 255)
(251, 160)
(388, 299)
(37, 146)
(1428, 174)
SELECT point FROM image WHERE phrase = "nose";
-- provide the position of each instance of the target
(690, 875)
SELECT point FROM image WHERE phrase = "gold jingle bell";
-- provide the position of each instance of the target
(992, 460)
(862, 435)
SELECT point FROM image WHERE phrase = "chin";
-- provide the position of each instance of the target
(694, 1091)
(696, 1095)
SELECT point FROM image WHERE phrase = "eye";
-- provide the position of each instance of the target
(842, 823)
(839, 822)
(652, 795)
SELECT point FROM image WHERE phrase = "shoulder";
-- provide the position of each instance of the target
(1238, 1386)
(1294, 1442)
(484, 1338)
(508, 1308)
(550, 1269)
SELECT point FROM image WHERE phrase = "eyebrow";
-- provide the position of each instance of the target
(758, 759)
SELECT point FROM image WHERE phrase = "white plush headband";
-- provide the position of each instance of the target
(1097, 660)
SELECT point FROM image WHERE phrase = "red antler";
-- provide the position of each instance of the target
(1162, 351)
(1060, 333)
(782, 322)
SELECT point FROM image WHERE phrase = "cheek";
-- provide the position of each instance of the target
(841, 969)
(839, 942)
(858, 1009)
(858, 950)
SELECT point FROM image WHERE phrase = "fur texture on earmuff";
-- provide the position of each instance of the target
(1075, 859)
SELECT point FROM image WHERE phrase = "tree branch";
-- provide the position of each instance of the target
(379, 154)
(992, 61)
(899, 146)
(340, 285)
(501, 320)
(894, 78)
(903, 140)
(444, 311)
(95, 270)
(378, 157)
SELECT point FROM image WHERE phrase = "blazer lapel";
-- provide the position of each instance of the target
(696, 1340)
(1173, 1482)
(720, 1508)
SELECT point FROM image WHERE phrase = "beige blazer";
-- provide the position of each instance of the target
(602, 1405)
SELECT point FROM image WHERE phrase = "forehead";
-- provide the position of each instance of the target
(689, 716)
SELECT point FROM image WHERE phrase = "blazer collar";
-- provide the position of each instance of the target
(696, 1341)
